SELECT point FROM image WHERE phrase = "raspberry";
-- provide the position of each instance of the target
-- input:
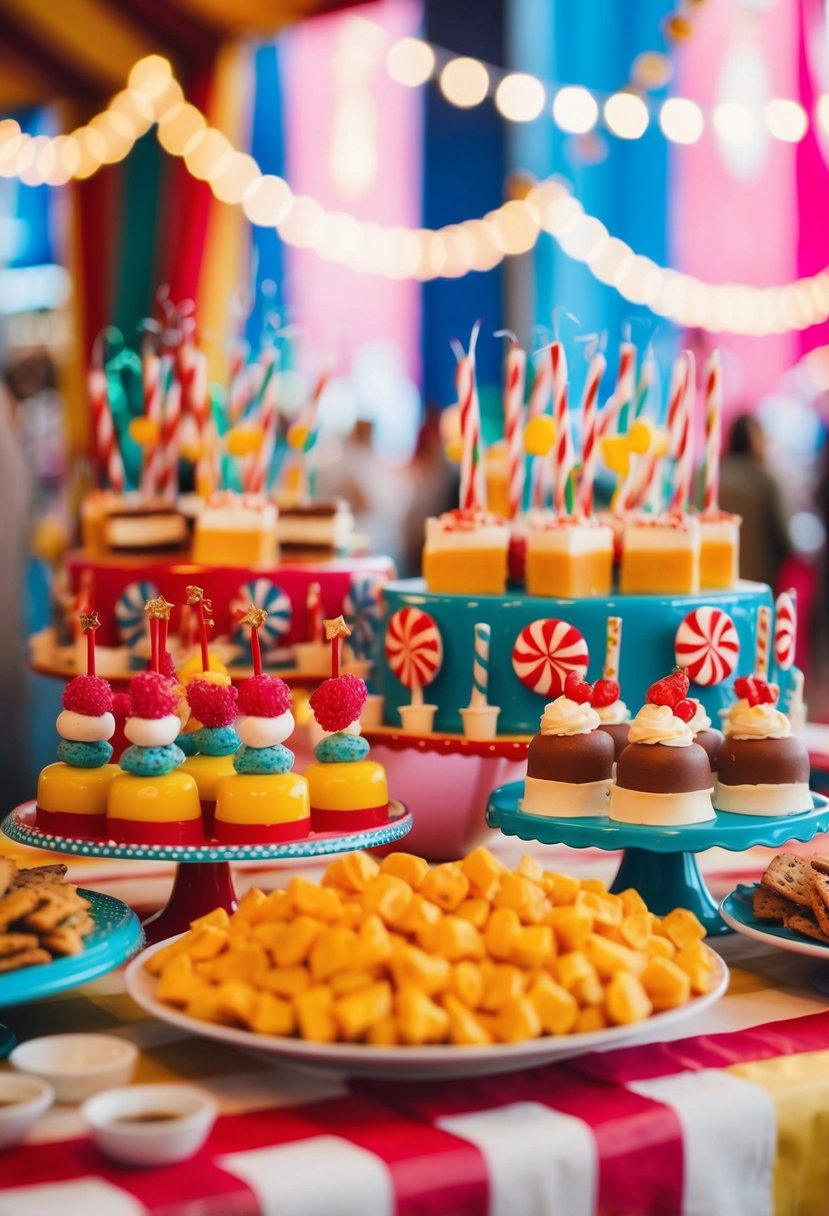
(122, 706)
(338, 702)
(605, 692)
(264, 697)
(152, 695)
(577, 689)
(760, 692)
(743, 686)
(212, 704)
(89, 695)
(685, 709)
(669, 690)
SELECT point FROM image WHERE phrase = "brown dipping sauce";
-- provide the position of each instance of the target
(149, 1116)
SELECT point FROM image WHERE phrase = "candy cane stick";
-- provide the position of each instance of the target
(540, 398)
(109, 457)
(170, 440)
(563, 449)
(761, 651)
(471, 496)
(713, 432)
(480, 666)
(613, 648)
(515, 369)
(151, 464)
(590, 415)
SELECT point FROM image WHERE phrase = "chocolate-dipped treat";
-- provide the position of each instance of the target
(707, 736)
(570, 760)
(663, 777)
(614, 715)
(763, 767)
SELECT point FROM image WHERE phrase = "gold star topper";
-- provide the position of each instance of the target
(90, 620)
(336, 628)
(196, 596)
(158, 609)
(255, 617)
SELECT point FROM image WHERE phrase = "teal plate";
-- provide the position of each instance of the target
(737, 910)
(20, 826)
(117, 936)
(724, 831)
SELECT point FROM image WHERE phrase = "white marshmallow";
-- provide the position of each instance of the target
(255, 731)
(85, 728)
(153, 732)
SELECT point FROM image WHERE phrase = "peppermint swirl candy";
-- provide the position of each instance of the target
(707, 645)
(262, 593)
(544, 654)
(130, 616)
(362, 608)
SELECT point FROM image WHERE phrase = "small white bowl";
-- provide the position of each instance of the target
(150, 1124)
(22, 1101)
(77, 1065)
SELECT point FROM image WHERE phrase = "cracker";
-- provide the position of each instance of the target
(16, 905)
(790, 876)
(24, 958)
(63, 941)
(805, 923)
(820, 909)
(35, 875)
(10, 943)
(771, 905)
(55, 904)
(8, 871)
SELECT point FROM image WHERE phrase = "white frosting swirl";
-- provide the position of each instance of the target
(615, 714)
(566, 717)
(658, 724)
(757, 722)
(700, 720)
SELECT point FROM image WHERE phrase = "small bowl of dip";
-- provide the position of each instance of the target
(150, 1124)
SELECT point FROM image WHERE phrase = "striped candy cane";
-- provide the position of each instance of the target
(472, 495)
(170, 440)
(563, 448)
(515, 373)
(589, 416)
(480, 665)
(713, 432)
(109, 457)
(151, 463)
(761, 649)
(540, 398)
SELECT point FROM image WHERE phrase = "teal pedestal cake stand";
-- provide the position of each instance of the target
(659, 861)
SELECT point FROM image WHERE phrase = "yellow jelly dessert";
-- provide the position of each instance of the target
(661, 558)
(165, 809)
(719, 553)
(347, 795)
(207, 772)
(466, 553)
(251, 807)
(569, 561)
(236, 530)
(73, 801)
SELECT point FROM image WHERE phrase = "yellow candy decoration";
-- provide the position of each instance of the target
(244, 440)
(298, 436)
(539, 435)
(144, 431)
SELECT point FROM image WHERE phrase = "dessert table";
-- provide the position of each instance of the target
(725, 1117)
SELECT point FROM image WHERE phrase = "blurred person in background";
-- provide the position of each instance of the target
(750, 490)
(15, 498)
(433, 490)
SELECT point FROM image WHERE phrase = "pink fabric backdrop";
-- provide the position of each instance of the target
(338, 309)
(812, 173)
(725, 229)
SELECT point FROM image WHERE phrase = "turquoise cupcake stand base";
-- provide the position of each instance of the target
(203, 880)
(659, 862)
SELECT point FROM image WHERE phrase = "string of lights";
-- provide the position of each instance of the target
(476, 244)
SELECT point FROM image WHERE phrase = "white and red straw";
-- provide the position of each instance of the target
(472, 491)
(106, 447)
(713, 432)
(761, 648)
(515, 370)
(563, 448)
(589, 426)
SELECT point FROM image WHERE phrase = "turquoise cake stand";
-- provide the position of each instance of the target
(203, 879)
(659, 861)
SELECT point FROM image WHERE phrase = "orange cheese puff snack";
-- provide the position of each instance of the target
(398, 953)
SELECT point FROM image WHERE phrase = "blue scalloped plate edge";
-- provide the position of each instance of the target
(737, 912)
(320, 845)
(727, 831)
(117, 936)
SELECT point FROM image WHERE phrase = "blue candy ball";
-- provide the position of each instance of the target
(341, 748)
(84, 755)
(152, 761)
(260, 761)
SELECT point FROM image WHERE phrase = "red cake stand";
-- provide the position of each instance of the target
(203, 879)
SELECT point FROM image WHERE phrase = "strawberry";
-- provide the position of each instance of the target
(685, 709)
(761, 692)
(669, 690)
(605, 692)
(743, 686)
(577, 689)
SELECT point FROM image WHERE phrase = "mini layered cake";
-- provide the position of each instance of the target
(568, 557)
(321, 528)
(212, 701)
(719, 555)
(131, 524)
(660, 555)
(663, 778)
(705, 734)
(348, 791)
(466, 553)
(236, 530)
(263, 801)
(72, 794)
(763, 768)
(150, 802)
(570, 760)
